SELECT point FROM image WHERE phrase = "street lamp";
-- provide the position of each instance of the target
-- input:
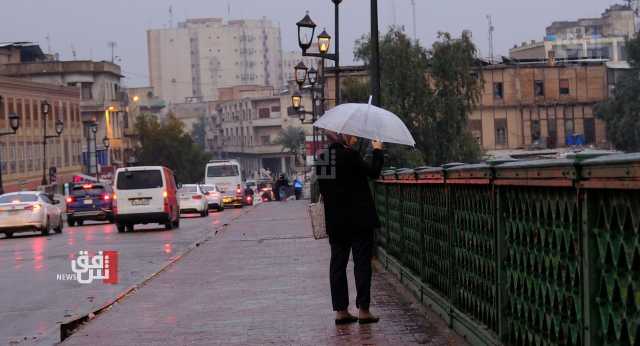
(312, 75)
(301, 73)
(93, 127)
(59, 128)
(296, 100)
(306, 29)
(14, 123)
(106, 142)
(324, 42)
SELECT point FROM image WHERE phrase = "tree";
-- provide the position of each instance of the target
(168, 145)
(199, 131)
(621, 113)
(433, 91)
(291, 139)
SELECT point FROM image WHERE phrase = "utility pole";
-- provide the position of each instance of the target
(375, 55)
(112, 45)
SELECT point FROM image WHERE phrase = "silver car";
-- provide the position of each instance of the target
(29, 211)
(214, 196)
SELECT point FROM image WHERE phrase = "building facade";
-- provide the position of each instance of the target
(600, 38)
(536, 106)
(204, 54)
(23, 161)
(102, 101)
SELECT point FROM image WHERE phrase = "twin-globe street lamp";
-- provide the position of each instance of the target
(59, 127)
(106, 142)
(14, 123)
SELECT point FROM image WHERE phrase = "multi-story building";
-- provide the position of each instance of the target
(602, 38)
(101, 101)
(248, 127)
(540, 105)
(202, 55)
(23, 162)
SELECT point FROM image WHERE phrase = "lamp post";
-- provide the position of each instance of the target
(94, 129)
(375, 56)
(302, 75)
(306, 30)
(59, 128)
(14, 123)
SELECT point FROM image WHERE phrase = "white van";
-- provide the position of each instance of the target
(145, 195)
(226, 175)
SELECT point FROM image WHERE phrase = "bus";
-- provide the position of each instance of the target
(226, 175)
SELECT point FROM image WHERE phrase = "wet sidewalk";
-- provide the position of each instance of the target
(262, 280)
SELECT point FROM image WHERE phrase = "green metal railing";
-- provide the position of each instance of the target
(520, 253)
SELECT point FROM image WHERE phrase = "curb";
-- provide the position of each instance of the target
(71, 326)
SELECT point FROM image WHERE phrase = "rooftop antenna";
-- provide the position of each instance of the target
(112, 45)
(491, 30)
(228, 10)
(413, 5)
(73, 52)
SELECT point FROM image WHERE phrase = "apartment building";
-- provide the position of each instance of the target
(601, 38)
(102, 99)
(540, 105)
(22, 154)
(204, 54)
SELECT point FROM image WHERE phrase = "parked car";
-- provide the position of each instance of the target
(193, 200)
(213, 195)
(146, 194)
(89, 202)
(29, 211)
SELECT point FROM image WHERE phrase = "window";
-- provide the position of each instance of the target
(535, 130)
(27, 113)
(265, 139)
(21, 197)
(564, 87)
(275, 109)
(501, 131)
(86, 92)
(134, 180)
(222, 171)
(498, 90)
(538, 88)
(589, 131)
(264, 113)
(36, 111)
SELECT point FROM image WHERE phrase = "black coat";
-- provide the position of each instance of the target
(348, 203)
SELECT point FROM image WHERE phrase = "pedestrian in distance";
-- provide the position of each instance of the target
(283, 188)
(297, 187)
(350, 218)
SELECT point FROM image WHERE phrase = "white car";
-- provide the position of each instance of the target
(213, 196)
(29, 211)
(191, 199)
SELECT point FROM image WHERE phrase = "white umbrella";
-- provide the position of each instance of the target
(366, 121)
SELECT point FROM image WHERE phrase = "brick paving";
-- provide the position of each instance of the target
(260, 281)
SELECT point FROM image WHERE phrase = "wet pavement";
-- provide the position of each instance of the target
(33, 302)
(260, 281)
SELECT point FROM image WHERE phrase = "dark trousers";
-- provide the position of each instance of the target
(362, 248)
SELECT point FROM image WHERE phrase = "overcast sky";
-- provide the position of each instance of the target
(88, 25)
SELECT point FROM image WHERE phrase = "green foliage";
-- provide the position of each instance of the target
(354, 90)
(433, 91)
(292, 139)
(168, 145)
(621, 113)
(199, 131)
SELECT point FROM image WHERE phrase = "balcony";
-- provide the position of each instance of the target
(267, 122)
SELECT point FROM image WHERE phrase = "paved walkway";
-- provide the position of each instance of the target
(260, 281)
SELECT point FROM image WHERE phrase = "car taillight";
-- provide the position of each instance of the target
(238, 191)
(196, 197)
(106, 197)
(69, 200)
(165, 196)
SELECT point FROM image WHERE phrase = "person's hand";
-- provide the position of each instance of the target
(376, 144)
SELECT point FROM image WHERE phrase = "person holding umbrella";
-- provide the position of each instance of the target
(350, 213)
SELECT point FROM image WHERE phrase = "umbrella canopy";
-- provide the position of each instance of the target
(366, 121)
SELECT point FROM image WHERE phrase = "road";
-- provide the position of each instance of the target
(33, 302)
